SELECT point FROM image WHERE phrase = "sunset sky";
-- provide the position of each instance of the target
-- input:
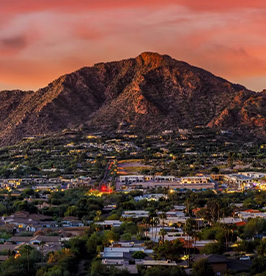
(43, 39)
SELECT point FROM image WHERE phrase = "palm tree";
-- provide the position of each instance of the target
(190, 229)
(156, 221)
(163, 216)
(152, 215)
(162, 233)
(145, 221)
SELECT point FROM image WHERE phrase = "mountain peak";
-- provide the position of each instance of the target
(153, 59)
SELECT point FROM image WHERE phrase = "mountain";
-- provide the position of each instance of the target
(149, 93)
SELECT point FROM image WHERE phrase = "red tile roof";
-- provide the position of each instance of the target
(240, 223)
(252, 211)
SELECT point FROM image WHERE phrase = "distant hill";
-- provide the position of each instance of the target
(149, 93)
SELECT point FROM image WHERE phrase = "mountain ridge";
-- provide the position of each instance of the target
(150, 93)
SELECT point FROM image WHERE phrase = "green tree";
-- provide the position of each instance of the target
(110, 236)
(258, 265)
(126, 237)
(213, 248)
(139, 255)
(202, 268)
(145, 222)
(162, 233)
(262, 248)
(255, 226)
(98, 269)
(160, 271)
(169, 250)
(57, 270)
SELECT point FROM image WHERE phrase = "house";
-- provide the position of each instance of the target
(238, 181)
(179, 207)
(200, 244)
(135, 214)
(158, 263)
(30, 222)
(73, 231)
(20, 240)
(172, 220)
(195, 180)
(218, 263)
(38, 225)
(131, 178)
(118, 252)
(71, 221)
(109, 207)
(148, 177)
(164, 178)
(134, 243)
(217, 177)
(82, 181)
(150, 197)
(239, 266)
(46, 248)
(245, 215)
(254, 175)
(109, 223)
(230, 220)
(44, 239)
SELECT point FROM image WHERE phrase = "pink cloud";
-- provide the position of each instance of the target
(40, 40)
(73, 6)
(221, 6)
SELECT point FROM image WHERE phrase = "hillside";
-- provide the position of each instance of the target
(148, 93)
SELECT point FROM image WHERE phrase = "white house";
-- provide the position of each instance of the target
(164, 178)
(195, 180)
(131, 178)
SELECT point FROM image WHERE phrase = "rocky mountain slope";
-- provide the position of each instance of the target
(148, 93)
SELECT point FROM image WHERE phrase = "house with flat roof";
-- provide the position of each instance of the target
(238, 181)
(219, 263)
(131, 178)
(110, 223)
(150, 197)
(195, 180)
(164, 178)
(135, 214)
(254, 175)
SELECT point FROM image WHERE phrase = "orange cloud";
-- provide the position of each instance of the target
(27, 6)
(221, 6)
(40, 40)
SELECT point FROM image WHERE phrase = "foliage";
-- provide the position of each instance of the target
(213, 248)
(258, 265)
(25, 264)
(169, 250)
(160, 271)
(202, 268)
(255, 226)
(97, 269)
(139, 255)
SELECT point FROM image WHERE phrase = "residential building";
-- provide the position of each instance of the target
(195, 180)
(131, 178)
(238, 181)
